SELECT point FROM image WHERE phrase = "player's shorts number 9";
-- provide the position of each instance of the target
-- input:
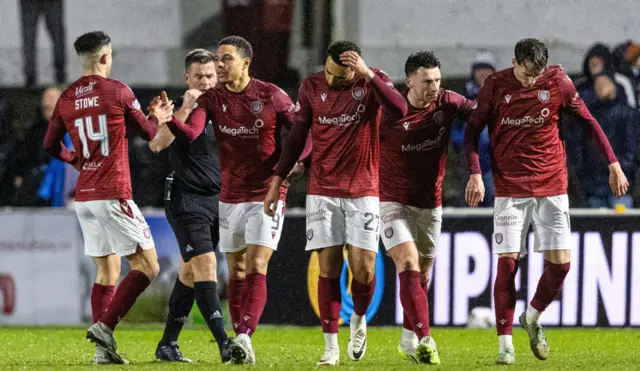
(276, 221)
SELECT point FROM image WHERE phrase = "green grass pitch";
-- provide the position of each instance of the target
(290, 348)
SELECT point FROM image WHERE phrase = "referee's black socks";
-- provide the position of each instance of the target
(209, 305)
(180, 304)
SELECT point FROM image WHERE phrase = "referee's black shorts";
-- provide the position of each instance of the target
(194, 220)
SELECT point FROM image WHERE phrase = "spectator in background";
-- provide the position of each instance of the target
(632, 57)
(29, 164)
(598, 60)
(620, 123)
(482, 66)
(53, 15)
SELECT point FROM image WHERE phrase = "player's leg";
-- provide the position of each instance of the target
(326, 235)
(262, 235)
(202, 238)
(552, 236)
(130, 236)
(512, 217)
(330, 262)
(232, 244)
(428, 237)
(107, 267)
(182, 296)
(398, 226)
(362, 237)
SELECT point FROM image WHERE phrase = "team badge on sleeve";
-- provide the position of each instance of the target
(499, 238)
(136, 104)
(297, 106)
(543, 95)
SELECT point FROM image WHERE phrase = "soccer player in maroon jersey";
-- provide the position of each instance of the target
(522, 106)
(251, 118)
(98, 113)
(413, 156)
(341, 106)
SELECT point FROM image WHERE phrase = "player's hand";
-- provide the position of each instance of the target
(474, 193)
(355, 61)
(295, 173)
(273, 196)
(617, 180)
(163, 112)
(190, 98)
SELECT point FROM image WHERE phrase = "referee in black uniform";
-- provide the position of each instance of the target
(191, 205)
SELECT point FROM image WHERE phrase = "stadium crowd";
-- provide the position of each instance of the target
(609, 84)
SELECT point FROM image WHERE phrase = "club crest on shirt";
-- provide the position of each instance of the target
(256, 106)
(543, 95)
(357, 93)
(438, 117)
(388, 233)
(499, 238)
(309, 234)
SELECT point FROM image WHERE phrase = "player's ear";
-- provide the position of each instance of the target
(186, 77)
(247, 62)
(514, 62)
(103, 58)
(408, 82)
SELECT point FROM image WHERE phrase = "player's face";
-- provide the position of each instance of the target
(201, 76)
(526, 73)
(230, 65)
(336, 74)
(425, 83)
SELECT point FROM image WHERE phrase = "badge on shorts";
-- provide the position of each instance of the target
(388, 233)
(498, 238)
(147, 233)
(310, 234)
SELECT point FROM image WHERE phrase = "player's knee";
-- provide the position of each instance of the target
(153, 269)
(204, 266)
(237, 268)
(186, 275)
(364, 272)
(258, 264)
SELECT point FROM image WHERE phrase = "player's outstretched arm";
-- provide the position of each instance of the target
(575, 105)
(164, 137)
(196, 121)
(53, 142)
(136, 119)
(383, 88)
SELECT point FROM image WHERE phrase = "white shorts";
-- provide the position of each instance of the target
(112, 227)
(550, 218)
(402, 223)
(246, 224)
(333, 221)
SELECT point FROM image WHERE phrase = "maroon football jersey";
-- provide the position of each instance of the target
(413, 150)
(527, 151)
(247, 127)
(96, 113)
(344, 123)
